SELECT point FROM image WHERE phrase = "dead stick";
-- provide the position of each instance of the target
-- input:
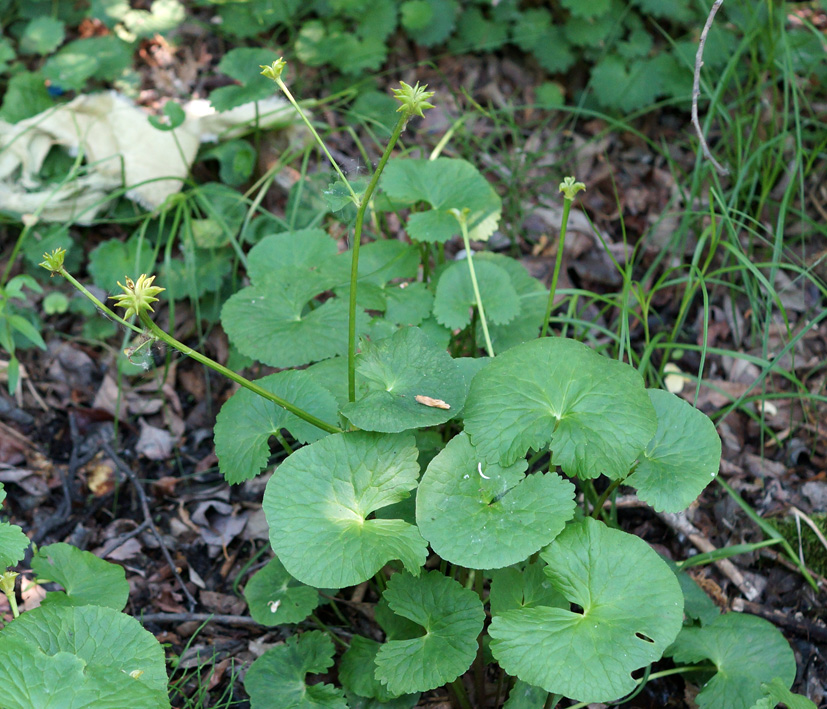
(696, 89)
(198, 617)
(139, 489)
(681, 524)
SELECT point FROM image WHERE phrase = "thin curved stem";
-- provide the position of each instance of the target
(354, 261)
(463, 226)
(105, 310)
(557, 263)
(230, 374)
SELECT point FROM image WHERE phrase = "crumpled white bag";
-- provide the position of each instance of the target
(120, 150)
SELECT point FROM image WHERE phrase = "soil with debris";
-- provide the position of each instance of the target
(155, 503)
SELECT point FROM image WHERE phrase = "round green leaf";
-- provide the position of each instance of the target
(484, 516)
(393, 372)
(42, 35)
(80, 656)
(271, 327)
(593, 412)
(318, 501)
(632, 608)
(530, 587)
(445, 184)
(276, 680)
(357, 673)
(681, 459)
(88, 580)
(13, 543)
(452, 617)
(275, 597)
(526, 696)
(747, 651)
(247, 421)
(455, 295)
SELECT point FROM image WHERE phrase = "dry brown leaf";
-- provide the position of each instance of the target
(433, 403)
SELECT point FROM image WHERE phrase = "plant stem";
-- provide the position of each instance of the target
(237, 378)
(605, 496)
(309, 125)
(479, 660)
(459, 692)
(561, 242)
(106, 311)
(354, 263)
(463, 226)
(328, 631)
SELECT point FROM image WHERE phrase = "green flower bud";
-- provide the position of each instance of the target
(569, 187)
(414, 99)
(7, 582)
(53, 261)
(137, 296)
(274, 70)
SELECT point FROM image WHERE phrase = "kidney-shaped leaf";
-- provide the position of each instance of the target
(445, 184)
(88, 580)
(275, 597)
(632, 608)
(357, 673)
(247, 421)
(681, 459)
(513, 588)
(592, 411)
(397, 370)
(455, 295)
(276, 680)
(317, 503)
(483, 516)
(452, 617)
(747, 651)
(54, 657)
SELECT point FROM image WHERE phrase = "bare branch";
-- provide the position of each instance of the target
(696, 89)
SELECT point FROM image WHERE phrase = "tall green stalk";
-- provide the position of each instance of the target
(462, 218)
(569, 188)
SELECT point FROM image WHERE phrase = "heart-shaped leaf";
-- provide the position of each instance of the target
(593, 412)
(406, 382)
(632, 608)
(681, 459)
(277, 679)
(357, 673)
(486, 516)
(452, 617)
(747, 651)
(247, 421)
(445, 184)
(318, 501)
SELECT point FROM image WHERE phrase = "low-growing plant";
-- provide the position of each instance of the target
(470, 492)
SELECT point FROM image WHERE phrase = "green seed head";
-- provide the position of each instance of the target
(569, 187)
(137, 296)
(7, 582)
(414, 99)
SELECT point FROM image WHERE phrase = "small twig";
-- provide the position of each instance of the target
(139, 489)
(198, 617)
(681, 524)
(122, 539)
(696, 89)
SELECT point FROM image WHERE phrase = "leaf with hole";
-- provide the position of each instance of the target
(629, 609)
(318, 501)
(483, 516)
